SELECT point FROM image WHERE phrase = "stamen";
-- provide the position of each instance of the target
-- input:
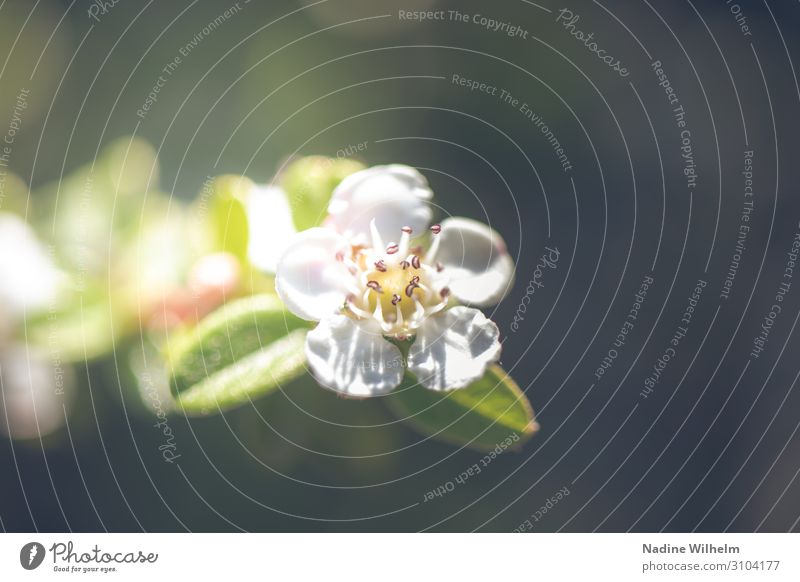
(380, 266)
(445, 292)
(436, 308)
(411, 286)
(356, 309)
(386, 326)
(419, 315)
(377, 241)
(415, 262)
(396, 299)
(427, 292)
(405, 239)
(392, 248)
(399, 318)
(439, 267)
(434, 245)
(436, 228)
(405, 264)
(375, 286)
(378, 316)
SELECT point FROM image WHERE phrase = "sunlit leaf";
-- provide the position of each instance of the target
(242, 351)
(82, 326)
(222, 204)
(309, 183)
(14, 194)
(481, 416)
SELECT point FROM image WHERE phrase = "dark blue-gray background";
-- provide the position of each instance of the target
(713, 447)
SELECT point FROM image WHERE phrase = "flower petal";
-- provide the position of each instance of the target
(309, 279)
(352, 357)
(394, 196)
(270, 226)
(453, 349)
(35, 392)
(475, 260)
(29, 279)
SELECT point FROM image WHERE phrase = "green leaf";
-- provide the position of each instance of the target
(481, 416)
(241, 351)
(14, 194)
(309, 183)
(81, 326)
(132, 167)
(226, 199)
(248, 378)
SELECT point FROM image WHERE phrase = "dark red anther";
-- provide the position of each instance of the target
(406, 229)
(436, 228)
(380, 266)
(415, 262)
(395, 299)
(375, 286)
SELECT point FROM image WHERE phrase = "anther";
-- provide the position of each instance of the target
(415, 262)
(436, 228)
(375, 286)
(410, 288)
(380, 265)
(445, 292)
(392, 248)
(439, 267)
(406, 229)
(405, 264)
(395, 299)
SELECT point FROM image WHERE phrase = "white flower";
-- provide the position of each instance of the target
(362, 280)
(270, 225)
(29, 279)
(37, 392)
(34, 388)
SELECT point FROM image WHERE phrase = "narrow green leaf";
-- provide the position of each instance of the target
(481, 416)
(14, 194)
(228, 214)
(239, 352)
(309, 183)
(248, 378)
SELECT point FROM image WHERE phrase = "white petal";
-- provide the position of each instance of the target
(35, 389)
(309, 279)
(352, 357)
(29, 279)
(453, 349)
(270, 226)
(476, 263)
(394, 196)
